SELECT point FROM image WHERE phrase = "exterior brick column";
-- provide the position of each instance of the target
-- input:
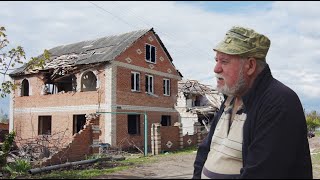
(197, 130)
(180, 134)
(155, 138)
(94, 122)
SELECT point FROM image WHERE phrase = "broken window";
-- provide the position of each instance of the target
(25, 88)
(66, 83)
(50, 89)
(78, 122)
(133, 124)
(88, 82)
(165, 120)
(197, 100)
(44, 125)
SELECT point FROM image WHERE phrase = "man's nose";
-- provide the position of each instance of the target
(217, 68)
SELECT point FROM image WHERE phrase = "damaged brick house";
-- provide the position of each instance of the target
(196, 103)
(131, 72)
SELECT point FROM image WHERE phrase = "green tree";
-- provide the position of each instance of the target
(10, 57)
(313, 121)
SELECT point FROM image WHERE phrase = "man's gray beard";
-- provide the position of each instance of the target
(238, 87)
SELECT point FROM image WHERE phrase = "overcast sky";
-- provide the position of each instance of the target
(189, 30)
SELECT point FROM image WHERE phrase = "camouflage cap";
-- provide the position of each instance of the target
(244, 42)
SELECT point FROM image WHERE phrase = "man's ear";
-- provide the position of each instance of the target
(252, 66)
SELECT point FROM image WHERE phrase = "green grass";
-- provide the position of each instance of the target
(92, 173)
(316, 165)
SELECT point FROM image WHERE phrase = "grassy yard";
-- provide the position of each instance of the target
(316, 165)
(96, 169)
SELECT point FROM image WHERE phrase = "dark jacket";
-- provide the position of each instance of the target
(275, 143)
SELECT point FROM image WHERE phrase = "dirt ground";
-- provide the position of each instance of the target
(174, 167)
(178, 166)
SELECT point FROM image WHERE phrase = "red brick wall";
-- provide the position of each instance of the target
(26, 124)
(152, 117)
(126, 96)
(193, 139)
(50, 100)
(4, 126)
(139, 59)
(169, 133)
(4, 130)
(78, 149)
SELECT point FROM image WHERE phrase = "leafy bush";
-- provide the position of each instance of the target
(6, 147)
(313, 122)
(18, 168)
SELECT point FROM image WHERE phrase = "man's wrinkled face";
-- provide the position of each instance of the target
(229, 73)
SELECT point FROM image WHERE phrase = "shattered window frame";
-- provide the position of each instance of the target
(79, 120)
(90, 79)
(44, 129)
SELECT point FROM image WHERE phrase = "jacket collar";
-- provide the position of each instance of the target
(260, 84)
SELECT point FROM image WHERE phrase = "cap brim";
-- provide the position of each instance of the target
(230, 48)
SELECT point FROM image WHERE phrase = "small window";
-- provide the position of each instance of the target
(133, 124)
(78, 122)
(165, 120)
(44, 125)
(166, 87)
(88, 82)
(135, 81)
(149, 84)
(25, 88)
(150, 53)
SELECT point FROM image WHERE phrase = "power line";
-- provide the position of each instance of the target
(165, 33)
(142, 20)
(110, 13)
(169, 35)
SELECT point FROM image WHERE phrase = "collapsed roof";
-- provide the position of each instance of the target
(67, 58)
(212, 95)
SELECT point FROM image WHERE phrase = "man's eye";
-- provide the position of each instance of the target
(224, 61)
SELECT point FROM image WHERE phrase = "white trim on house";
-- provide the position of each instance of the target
(103, 108)
(11, 110)
(146, 70)
(56, 109)
(110, 94)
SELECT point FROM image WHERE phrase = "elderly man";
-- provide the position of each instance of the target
(260, 130)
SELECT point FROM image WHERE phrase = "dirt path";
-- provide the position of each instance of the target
(167, 167)
(175, 167)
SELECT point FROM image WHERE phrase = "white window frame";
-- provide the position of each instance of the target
(150, 55)
(135, 89)
(150, 80)
(166, 85)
